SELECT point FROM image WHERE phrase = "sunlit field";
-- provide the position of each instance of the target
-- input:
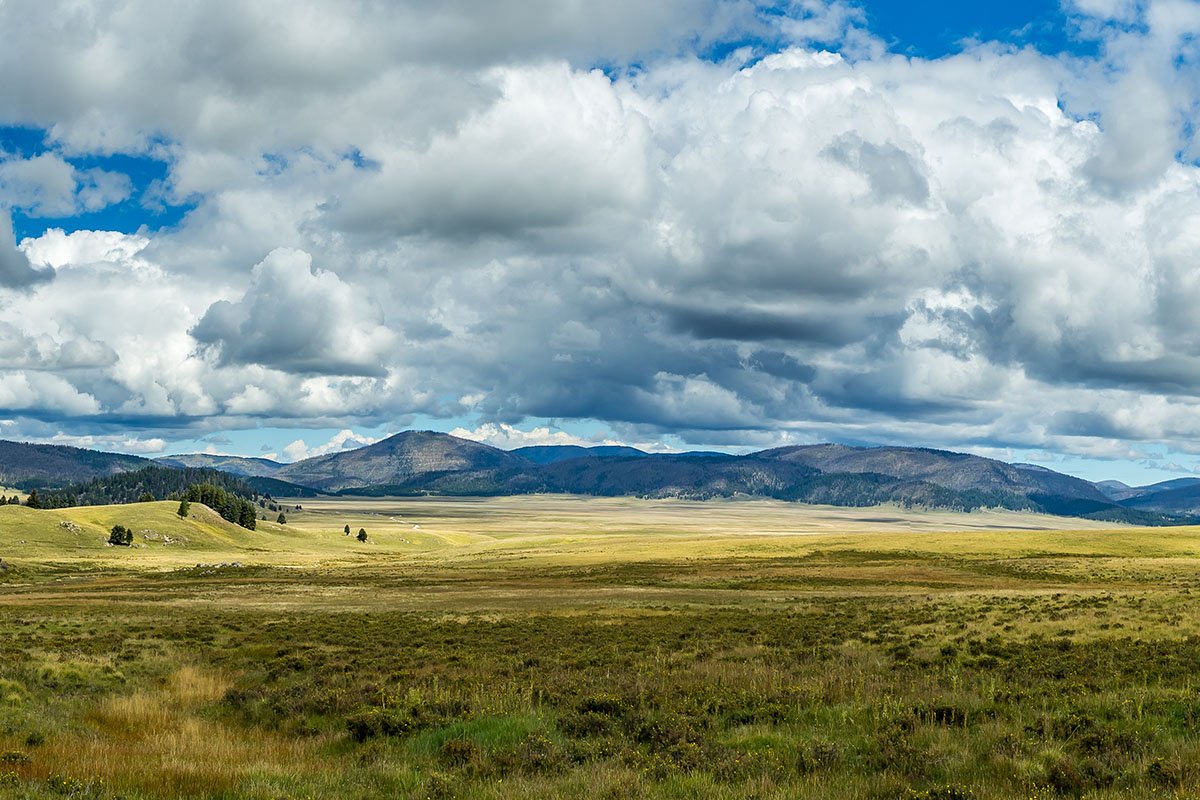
(565, 647)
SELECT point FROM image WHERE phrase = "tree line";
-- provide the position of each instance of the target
(226, 494)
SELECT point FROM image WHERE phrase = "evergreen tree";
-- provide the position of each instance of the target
(120, 536)
(347, 530)
(281, 519)
(362, 534)
(34, 501)
(146, 497)
(184, 507)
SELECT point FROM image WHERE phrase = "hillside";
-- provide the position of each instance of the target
(399, 460)
(548, 454)
(28, 466)
(234, 465)
(84, 530)
(958, 471)
(425, 462)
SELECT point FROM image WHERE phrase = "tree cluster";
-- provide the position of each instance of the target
(120, 536)
(144, 485)
(237, 510)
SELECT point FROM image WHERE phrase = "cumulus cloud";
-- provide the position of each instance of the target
(510, 437)
(342, 440)
(15, 269)
(811, 238)
(48, 186)
(296, 318)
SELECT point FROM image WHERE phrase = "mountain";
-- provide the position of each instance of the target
(1141, 495)
(1180, 496)
(399, 460)
(424, 462)
(435, 463)
(234, 465)
(29, 466)
(1114, 490)
(548, 454)
(958, 471)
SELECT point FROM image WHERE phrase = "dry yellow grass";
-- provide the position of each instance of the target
(161, 741)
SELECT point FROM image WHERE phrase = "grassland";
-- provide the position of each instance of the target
(561, 647)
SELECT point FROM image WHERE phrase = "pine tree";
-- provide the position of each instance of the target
(184, 507)
(34, 501)
(281, 519)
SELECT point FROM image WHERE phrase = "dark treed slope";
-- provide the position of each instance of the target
(28, 466)
(1181, 498)
(549, 453)
(958, 471)
(235, 465)
(398, 460)
(160, 483)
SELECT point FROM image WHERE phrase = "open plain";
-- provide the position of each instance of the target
(566, 647)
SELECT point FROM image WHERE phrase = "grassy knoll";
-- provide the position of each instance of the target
(558, 647)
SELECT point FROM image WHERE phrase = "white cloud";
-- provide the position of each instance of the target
(510, 437)
(48, 186)
(297, 318)
(823, 242)
(111, 443)
(342, 440)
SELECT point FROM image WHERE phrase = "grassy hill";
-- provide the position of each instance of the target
(84, 530)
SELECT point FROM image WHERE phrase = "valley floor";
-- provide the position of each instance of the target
(565, 647)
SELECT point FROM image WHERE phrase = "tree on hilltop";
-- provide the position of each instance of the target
(184, 507)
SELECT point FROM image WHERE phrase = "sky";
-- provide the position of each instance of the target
(284, 229)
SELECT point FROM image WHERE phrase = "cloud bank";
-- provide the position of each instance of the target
(531, 210)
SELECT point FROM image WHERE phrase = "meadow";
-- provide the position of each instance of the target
(565, 647)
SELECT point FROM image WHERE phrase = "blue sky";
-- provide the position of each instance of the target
(879, 222)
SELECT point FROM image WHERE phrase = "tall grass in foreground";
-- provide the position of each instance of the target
(895, 676)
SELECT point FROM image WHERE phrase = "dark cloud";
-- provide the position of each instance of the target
(15, 269)
(299, 320)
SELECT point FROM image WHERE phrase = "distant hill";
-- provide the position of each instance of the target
(1170, 497)
(1113, 490)
(398, 460)
(34, 466)
(235, 465)
(548, 454)
(958, 471)
(425, 462)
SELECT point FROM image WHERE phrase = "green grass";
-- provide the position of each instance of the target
(556, 647)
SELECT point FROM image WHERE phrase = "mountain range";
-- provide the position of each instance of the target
(425, 462)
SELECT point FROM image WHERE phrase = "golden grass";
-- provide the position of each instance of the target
(161, 740)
